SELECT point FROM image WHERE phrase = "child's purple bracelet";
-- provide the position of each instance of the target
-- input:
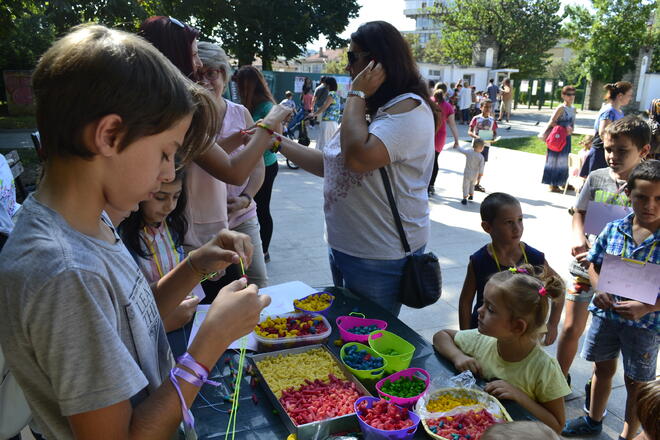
(202, 377)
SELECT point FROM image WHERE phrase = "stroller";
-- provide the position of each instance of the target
(297, 124)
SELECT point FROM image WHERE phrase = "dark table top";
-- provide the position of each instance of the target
(260, 420)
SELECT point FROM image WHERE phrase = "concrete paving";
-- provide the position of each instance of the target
(299, 252)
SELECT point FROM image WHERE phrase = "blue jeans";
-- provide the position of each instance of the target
(376, 280)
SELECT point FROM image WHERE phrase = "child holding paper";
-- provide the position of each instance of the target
(484, 126)
(626, 144)
(620, 323)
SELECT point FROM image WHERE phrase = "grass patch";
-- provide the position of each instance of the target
(17, 122)
(532, 144)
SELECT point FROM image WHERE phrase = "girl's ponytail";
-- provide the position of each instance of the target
(528, 292)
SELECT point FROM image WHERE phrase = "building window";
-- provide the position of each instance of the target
(435, 72)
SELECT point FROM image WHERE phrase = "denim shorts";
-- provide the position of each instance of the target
(639, 347)
(376, 280)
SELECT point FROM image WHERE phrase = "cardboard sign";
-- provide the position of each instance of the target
(600, 214)
(629, 279)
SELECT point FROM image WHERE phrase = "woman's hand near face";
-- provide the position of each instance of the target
(370, 79)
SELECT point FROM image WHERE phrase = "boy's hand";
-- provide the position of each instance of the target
(603, 300)
(503, 390)
(551, 335)
(465, 362)
(221, 251)
(580, 249)
(632, 310)
(182, 314)
(236, 310)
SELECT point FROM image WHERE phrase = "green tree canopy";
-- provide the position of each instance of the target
(607, 41)
(523, 29)
(273, 28)
(338, 66)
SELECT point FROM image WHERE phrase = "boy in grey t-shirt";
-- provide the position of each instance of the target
(81, 329)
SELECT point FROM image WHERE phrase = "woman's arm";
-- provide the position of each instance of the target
(558, 112)
(328, 102)
(362, 151)
(451, 121)
(602, 126)
(309, 159)
(236, 169)
(551, 413)
(466, 299)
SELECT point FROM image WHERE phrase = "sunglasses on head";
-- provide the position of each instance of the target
(569, 94)
(354, 56)
(176, 22)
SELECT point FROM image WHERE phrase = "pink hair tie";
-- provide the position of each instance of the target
(542, 291)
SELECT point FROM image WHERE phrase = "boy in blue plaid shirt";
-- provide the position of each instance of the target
(618, 324)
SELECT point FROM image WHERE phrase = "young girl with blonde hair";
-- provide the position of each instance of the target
(505, 350)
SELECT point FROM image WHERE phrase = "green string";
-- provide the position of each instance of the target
(237, 387)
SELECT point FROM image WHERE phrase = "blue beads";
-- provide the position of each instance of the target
(363, 329)
(361, 359)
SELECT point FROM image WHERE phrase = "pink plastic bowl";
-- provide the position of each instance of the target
(344, 323)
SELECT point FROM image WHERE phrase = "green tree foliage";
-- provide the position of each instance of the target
(434, 51)
(273, 28)
(607, 41)
(415, 46)
(338, 66)
(523, 29)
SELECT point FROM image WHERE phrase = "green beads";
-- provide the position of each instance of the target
(404, 387)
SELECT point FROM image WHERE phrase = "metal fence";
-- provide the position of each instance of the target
(545, 92)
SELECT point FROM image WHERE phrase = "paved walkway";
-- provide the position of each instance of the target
(298, 250)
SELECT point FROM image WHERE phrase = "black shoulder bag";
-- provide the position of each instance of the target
(421, 284)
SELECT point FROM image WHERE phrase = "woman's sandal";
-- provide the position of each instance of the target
(580, 427)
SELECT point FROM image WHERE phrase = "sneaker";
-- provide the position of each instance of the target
(479, 188)
(587, 398)
(471, 197)
(464, 202)
(431, 190)
(582, 426)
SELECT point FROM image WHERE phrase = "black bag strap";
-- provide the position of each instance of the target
(395, 211)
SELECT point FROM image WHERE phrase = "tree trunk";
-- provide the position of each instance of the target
(245, 59)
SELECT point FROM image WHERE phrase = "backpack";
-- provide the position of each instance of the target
(556, 140)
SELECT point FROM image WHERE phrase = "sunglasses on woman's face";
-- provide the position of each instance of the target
(569, 94)
(354, 56)
(210, 74)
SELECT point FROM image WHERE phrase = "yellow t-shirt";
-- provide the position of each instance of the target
(538, 375)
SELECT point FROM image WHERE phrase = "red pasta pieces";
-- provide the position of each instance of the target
(384, 415)
(318, 400)
(465, 426)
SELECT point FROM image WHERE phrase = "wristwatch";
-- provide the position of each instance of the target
(358, 93)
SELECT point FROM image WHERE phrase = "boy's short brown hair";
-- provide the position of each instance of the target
(632, 127)
(648, 407)
(94, 71)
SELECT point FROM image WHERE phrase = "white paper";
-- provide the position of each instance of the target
(298, 84)
(600, 214)
(282, 296)
(486, 135)
(640, 282)
(198, 291)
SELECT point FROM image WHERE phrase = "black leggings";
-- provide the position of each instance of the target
(262, 199)
(434, 174)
